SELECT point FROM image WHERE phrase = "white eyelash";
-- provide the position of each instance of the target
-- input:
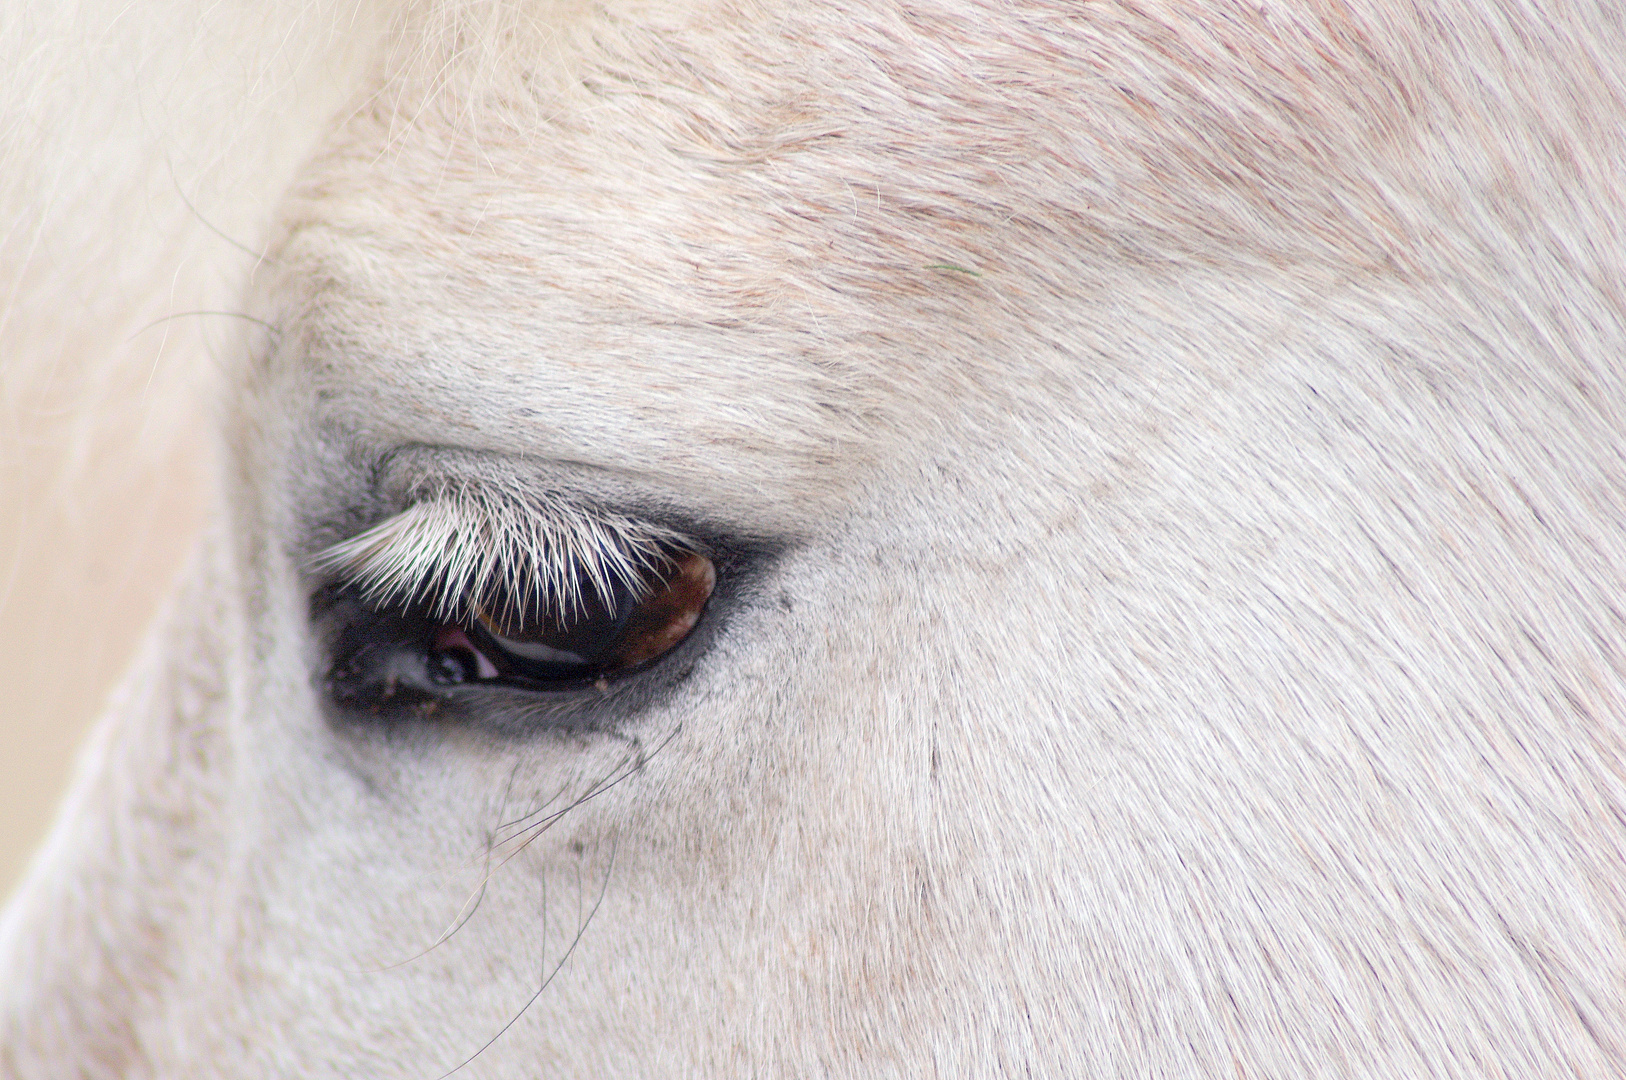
(475, 546)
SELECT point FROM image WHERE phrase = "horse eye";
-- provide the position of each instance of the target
(598, 636)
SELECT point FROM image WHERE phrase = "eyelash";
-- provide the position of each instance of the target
(465, 546)
(411, 628)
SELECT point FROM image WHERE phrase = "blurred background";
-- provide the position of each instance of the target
(140, 161)
(98, 509)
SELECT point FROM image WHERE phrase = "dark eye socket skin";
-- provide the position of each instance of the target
(384, 660)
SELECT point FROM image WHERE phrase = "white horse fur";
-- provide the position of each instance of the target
(1173, 456)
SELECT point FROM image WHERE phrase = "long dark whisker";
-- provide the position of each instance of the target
(470, 906)
(522, 820)
(604, 785)
(638, 760)
(469, 909)
(601, 785)
(582, 929)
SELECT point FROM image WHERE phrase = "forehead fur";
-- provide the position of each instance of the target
(854, 147)
(805, 214)
(1156, 131)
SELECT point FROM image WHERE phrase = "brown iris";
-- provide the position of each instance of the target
(597, 636)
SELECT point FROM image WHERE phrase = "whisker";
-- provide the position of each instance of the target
(531, 833)
(599, 787)
(188, 314)
(468, 910)
(603, 785)
(465, 913)
(580, 931)
(259, 256)
(521, 820)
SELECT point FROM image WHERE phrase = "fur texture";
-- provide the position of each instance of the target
(1173, 459)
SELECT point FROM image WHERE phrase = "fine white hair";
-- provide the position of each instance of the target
(491, 547)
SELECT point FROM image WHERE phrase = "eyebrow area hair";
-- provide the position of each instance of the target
(467, 545)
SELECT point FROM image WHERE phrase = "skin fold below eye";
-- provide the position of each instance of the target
(600, 637)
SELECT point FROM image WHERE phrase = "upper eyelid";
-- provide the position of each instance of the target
(461, 543)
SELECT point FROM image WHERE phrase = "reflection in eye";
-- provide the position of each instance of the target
(597, 636)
